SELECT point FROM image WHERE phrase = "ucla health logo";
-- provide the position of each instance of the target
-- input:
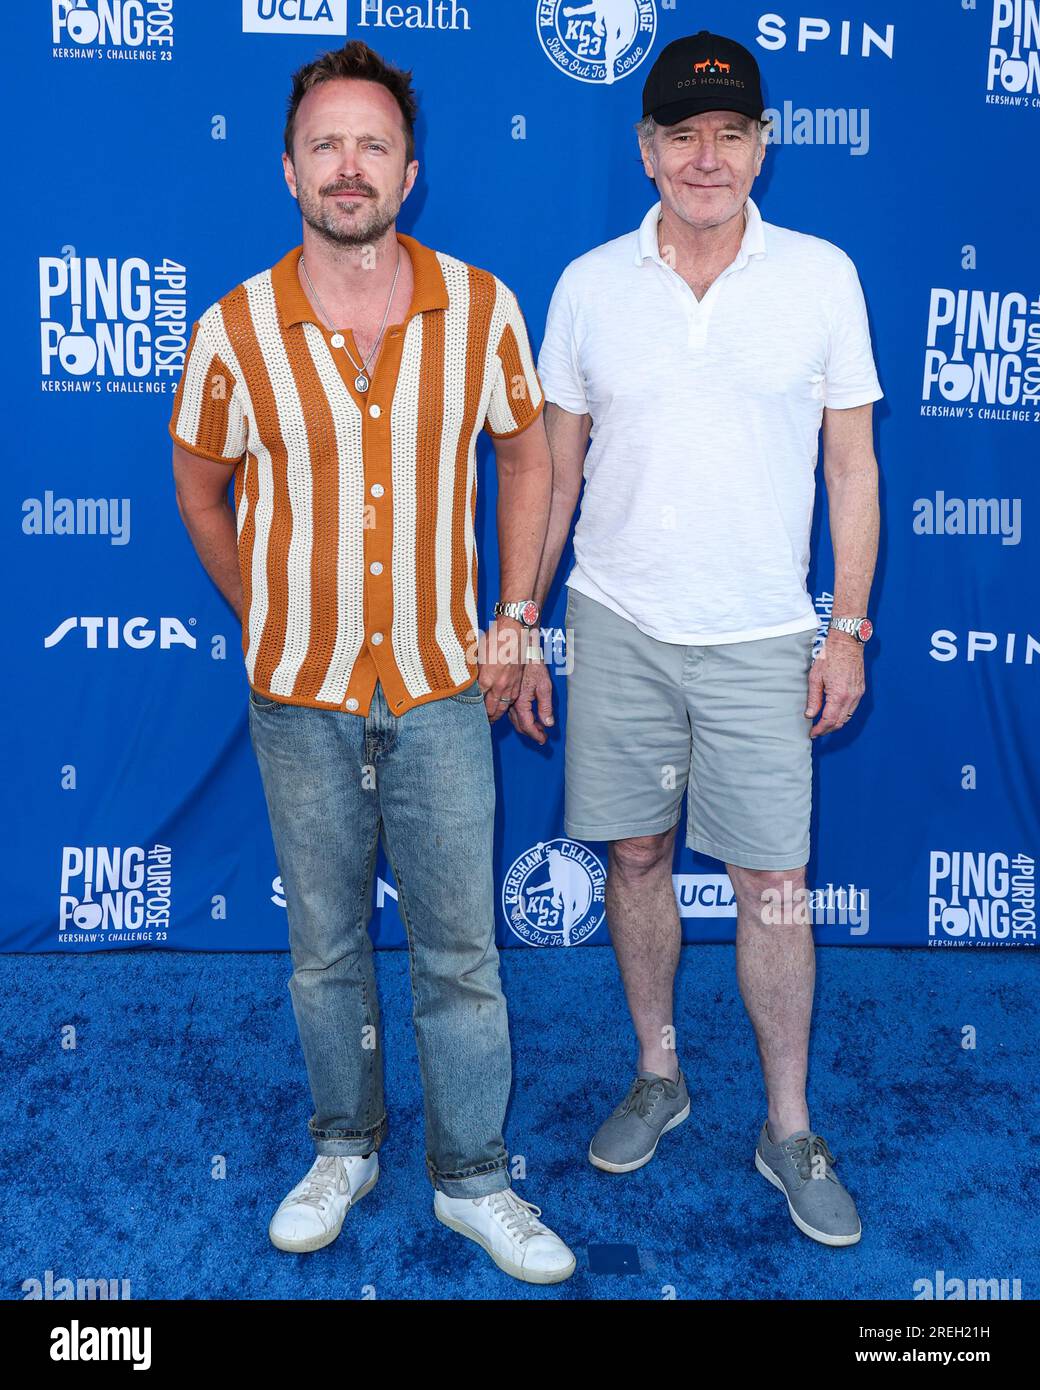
(1013, 69)
(114, 893)
(553, 894)
(294, 16)
(110, 323)
(981, 898)
(982, 355)
(112, 29)
(599, 42)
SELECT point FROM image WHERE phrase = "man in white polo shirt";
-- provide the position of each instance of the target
(703, 352)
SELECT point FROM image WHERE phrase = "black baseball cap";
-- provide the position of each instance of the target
(703, 72)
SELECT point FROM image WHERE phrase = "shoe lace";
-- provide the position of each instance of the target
(642, 1098)
(518, 1217)
(326, 1175)
(804, 1153)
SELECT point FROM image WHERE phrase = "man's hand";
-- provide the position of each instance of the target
(837, 673)
(535, 692)
(500, 665)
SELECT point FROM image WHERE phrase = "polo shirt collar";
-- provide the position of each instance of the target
(429, 290)
(753, 242)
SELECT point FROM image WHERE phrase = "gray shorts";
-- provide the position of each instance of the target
(647, 719)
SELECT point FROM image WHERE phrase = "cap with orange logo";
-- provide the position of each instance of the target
(703, 72)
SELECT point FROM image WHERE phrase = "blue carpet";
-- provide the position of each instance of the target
(109, 1149)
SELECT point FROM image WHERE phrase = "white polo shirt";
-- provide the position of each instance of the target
(700, 476)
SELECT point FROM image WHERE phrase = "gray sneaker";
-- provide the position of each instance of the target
(802, 1168)
(629, 1137)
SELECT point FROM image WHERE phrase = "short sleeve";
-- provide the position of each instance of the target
(558, 364)
(516, 395)
(850, 376)
(207, 417)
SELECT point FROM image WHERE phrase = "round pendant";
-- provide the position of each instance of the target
(338, 340)
(361, 382)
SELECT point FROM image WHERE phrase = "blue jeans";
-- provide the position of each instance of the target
(332, 780)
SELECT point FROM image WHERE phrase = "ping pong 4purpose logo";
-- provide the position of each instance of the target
(112, 320)
(1013, 67)
(982, 354)
(981, 898)
(115, 893)
(112, 29)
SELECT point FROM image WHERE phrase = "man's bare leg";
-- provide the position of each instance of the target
(643, 920)
(776, 971)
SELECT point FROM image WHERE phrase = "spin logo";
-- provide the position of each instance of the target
(1013, 67)
(982, 354)
(111, 324)
(981, 898)
(114, 893)
(139, 30)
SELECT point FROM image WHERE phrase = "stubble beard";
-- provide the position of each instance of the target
(367, 225)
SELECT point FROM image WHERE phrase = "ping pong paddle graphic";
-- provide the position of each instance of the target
(82, 23)
(77, 351)
(1014, 70)
(956, 378)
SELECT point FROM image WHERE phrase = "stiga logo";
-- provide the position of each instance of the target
(113, 325)
(981, 899)
(553, 894)
(982, 355)
(600, 42)
(112, 29)
(294, 16)
(1013, 69)
(114, 893)
(95, 633)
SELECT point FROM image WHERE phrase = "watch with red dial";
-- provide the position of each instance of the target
(526, 612)
(860, 628)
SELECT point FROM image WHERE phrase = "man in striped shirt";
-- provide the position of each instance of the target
(347, 385)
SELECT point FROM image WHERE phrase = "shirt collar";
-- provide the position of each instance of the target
(429, 290)
(753, 242)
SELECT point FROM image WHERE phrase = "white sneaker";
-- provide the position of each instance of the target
(507, 1228)
(312, 1214)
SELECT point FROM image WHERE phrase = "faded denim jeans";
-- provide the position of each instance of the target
(332, 780)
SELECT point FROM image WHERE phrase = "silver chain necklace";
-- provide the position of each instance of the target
(362, 381)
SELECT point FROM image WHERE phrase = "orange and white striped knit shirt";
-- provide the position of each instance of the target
(355, 512)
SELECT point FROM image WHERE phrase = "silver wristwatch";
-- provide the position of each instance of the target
(860, 628)
(526, 612)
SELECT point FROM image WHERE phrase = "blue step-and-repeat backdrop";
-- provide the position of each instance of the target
(146, 182)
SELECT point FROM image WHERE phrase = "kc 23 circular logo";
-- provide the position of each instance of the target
(553, 894)
(599, 42)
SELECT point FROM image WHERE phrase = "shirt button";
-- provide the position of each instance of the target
(374, 411)
(351, 703)
(376, 489)
(377, 637)
(375, 567)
